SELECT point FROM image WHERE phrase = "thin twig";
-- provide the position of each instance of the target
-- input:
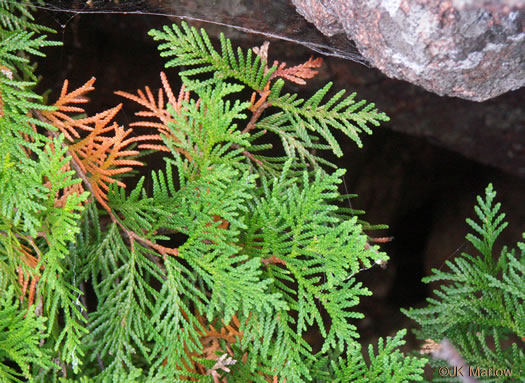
(273, 259)
(252, 157)
(255, 117)
(258, 107)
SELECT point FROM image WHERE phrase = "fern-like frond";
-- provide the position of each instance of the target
(102, 154)
(193, 48)
(179, 330)
(483, 298)
(105, 157)
(387, 365)
(303, 126)
(68, 103)
(313, 119)
(21, 332)
(297, 73)
(490, 227)
(15, 15)
(158, 109)
(122, 318)
(293, 232)
(20, 38)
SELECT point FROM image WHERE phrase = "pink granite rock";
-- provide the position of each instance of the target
(464, 48)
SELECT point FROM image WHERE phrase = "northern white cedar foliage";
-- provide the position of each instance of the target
(481, 307)
(268, 252)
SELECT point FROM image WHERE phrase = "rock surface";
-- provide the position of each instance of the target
(463, 48)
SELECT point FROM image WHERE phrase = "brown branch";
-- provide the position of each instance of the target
(161, 249)
(380, 239)
(252, 157)
(273, 259)
(255, 117)
(257, 108)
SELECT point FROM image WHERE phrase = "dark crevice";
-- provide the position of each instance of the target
(409, 245)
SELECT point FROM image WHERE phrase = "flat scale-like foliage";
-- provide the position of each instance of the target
(268, 252)
(481, 309)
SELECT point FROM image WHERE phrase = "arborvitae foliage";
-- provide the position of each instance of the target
(268, 250)
(481, 307)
